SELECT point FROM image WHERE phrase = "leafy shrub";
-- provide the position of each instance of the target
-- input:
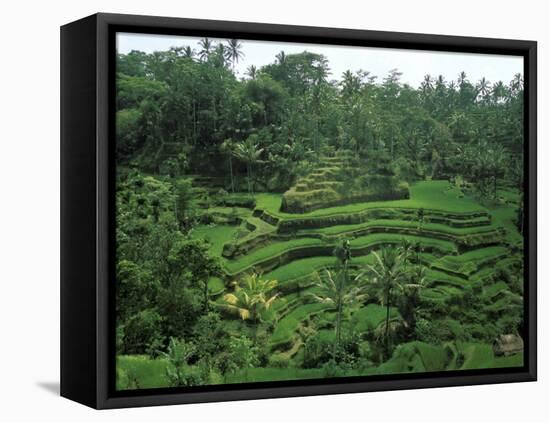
(246, 202)
(279, 360)
(142, 330)
(178, 371)
(318, 349)
(437, 331)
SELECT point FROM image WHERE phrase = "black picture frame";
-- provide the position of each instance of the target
(87, 209)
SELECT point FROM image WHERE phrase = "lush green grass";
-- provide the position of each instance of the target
(387, 238)
(370, 317)
(304, 267)
(476, 355)
(436, 276)
(267, 374)
(280, 247)
(231, 211)
(215, 286)
(515, 360)
(147, 373)
(506, 216)
(267, 252)
(261, 228)
(495, 289)
(415, 357)
(216, 235)
(469, 262)
(400, 224)
(289, 324)
(300, 268)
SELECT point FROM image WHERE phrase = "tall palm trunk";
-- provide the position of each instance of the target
(205, 293)
(251, 178)
(248, 177)
(194, 122)
(339, 309)
(231, 174)
(338, 329)
(386, 336)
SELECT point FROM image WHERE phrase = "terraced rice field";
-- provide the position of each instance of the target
(466, 249)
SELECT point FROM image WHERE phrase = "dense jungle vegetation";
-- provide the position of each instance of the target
(285, 225)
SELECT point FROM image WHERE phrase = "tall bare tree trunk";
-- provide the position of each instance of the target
(231, 173)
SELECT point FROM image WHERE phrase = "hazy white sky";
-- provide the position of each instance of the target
(414, 64)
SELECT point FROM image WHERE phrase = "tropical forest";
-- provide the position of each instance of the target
(289, 223)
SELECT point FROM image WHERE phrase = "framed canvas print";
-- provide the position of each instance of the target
(254, 211)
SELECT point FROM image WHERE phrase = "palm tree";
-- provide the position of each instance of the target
(482, 167)
(252, 72)
(206, 48)
(234, 49)
(497, 161)
(499, 91)
(484, 88)
(388, 279)
(427, 84)
(251, 296)
(410, 299)
(281, 58)
(517, 83)
(420, 218)
(220, 56)
(335, 290)
(248, 152)
(350, 84)
(462, 78)
(406, 249)
(228, 147)
(188, 52)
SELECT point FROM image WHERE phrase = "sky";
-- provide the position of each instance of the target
(414, 64)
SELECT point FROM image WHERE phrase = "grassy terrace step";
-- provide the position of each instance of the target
(280, 253)
(284, 331)
(216, 286)
(437, 277)
(309, 275)
(463, 220)
(240, 212)
(301, 268)
(495, 290)
(463, 237)
(492, 272)
(424, 194)
(260, 233)
(466, 264)
(370, 317)
(440, 293)
(396, 223)
(216, 235)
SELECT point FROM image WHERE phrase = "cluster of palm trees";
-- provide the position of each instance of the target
(484, 90)
(394, 279)
(248, 152)
(486, 162)
(489, 164)
(226, 54)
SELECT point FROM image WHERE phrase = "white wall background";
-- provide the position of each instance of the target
(29, 209)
